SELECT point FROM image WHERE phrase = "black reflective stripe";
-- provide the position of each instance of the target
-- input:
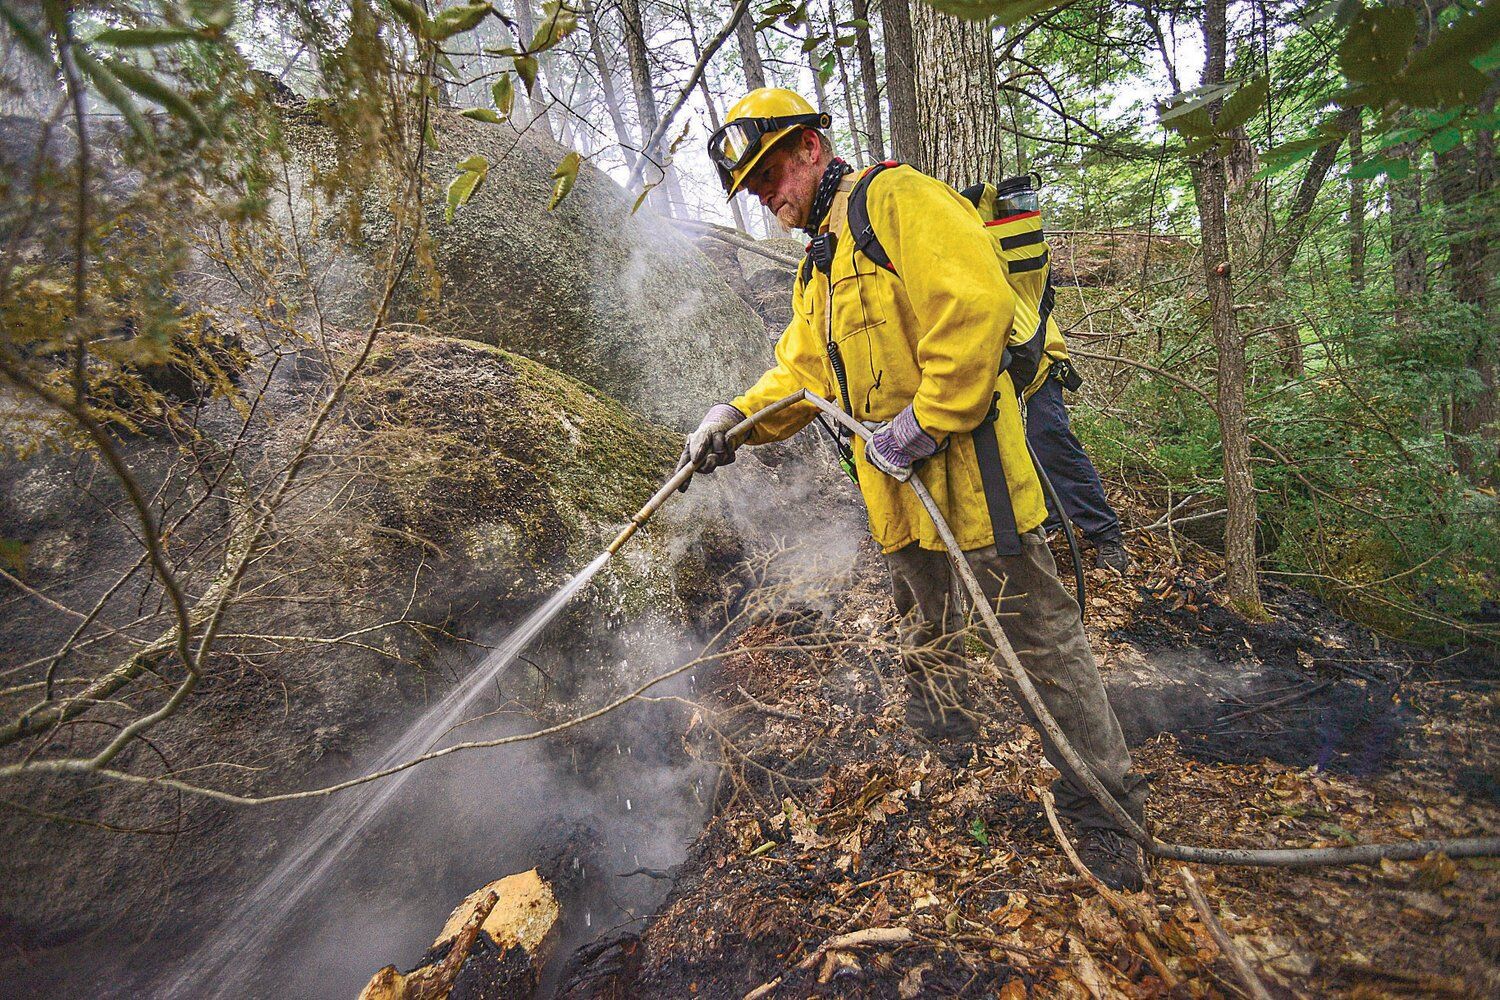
(1049, 299)
(1022, 240)
(996, 491)
(1029, 264)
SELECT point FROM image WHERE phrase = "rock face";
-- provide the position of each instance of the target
(622, 302)
(466, 483)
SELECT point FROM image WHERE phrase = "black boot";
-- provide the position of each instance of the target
(1111, 554)
(1114, 858)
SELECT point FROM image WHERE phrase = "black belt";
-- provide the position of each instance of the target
(996, 490)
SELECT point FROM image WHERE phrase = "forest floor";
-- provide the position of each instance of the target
(833, 817)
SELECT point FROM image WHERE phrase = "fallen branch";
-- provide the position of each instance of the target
(1242, 969)
(1131, 917)
(883, 937)
(739, 242)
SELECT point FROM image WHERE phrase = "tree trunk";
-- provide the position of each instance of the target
(645, 101)
(868, 81)
(810, 30)
(861, 146)
(958, 110)
(713, 112)
(900, 78)
(1408, 249)
(1465, 175)
(755, 73)
(1357, 208)
(537, 94)
(1210, 190)
(607, 84)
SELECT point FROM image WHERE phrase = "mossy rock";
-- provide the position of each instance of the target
(511, 469)
(619, 300)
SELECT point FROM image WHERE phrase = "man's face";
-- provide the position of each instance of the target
(786, 179)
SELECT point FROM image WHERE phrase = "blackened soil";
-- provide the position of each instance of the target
(1306, 688)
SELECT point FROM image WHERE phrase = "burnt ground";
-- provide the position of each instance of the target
(1304, 731)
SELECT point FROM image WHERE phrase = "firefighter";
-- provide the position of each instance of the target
(918, 348)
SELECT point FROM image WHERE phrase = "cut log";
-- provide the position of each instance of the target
(493, 945)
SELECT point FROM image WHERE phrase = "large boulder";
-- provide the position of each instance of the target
(619, 300)
(463, 486)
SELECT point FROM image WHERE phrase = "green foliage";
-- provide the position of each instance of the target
(472, 171)
(1005, 12)
(563, 177)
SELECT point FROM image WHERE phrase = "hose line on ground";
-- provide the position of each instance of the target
(1274, 857)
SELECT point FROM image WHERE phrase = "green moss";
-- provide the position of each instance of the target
(508, 463)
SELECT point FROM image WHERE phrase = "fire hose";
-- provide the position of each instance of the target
(1466, 847)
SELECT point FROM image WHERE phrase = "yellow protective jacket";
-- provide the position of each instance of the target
(931, 334)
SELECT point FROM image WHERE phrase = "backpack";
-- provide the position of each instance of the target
(1010, 213)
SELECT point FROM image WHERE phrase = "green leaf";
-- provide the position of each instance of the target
(144, 38)
(812, 42)
(456, 20)
(1202, 144)
(1377, 43)
(1399, 168)
(153, 88)
(110, 89)
(1458, 44)
(1195, 123)
(1006, 12)
(1441, 86)
(979, 831)
(826, 67)
(482, 115)
(777, 10)
(640, 199)
(563, 178)
(215, 14)
(1191, 100)
(1242, 105)
(844, 41)
(13, 554)
(526, 68)
(26, 32)
(504, 94)
(855, 22)
(410, 15)
(472, 172)
(1447, 140)
(558, 22)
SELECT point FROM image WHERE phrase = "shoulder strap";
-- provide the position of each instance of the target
(860, 230)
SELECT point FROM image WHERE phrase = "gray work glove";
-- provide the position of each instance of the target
(709, 446)
(898, 445)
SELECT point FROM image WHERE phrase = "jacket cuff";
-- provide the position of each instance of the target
(722, 411)
(908, 433)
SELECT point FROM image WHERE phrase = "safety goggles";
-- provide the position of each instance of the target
(735, 143)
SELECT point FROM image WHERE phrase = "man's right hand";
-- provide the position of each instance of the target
(709, 446)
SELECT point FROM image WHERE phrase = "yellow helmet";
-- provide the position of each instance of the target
(755, 124)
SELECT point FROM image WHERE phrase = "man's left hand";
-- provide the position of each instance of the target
(897, 446)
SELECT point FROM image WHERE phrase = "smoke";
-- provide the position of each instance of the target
(612, 796)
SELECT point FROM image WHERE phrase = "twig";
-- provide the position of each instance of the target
(883, 937)
(1131, 917)
(761, 706)
(1275, 703)
(1242, 968)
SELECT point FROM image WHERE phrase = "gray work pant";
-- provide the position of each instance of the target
(1042, 622)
